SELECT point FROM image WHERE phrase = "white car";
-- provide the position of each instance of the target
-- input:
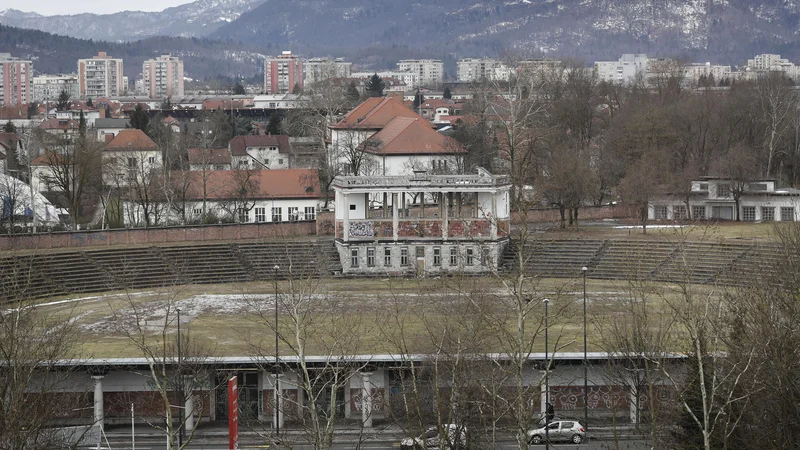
(456, 438)
(560, 430)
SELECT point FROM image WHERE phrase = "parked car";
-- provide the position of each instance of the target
(456, 438)
(560, 430)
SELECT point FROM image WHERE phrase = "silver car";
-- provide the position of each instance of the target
(560, 430)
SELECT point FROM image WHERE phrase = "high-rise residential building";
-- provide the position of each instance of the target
(16, 80)
(694, 71)
(49, 87)
(625, 70)
(318, 69)
(430, 71)
(100, 76)
(163, 77)
(282, 73)
(476, 69)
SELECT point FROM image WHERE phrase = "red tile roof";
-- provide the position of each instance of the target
(131, 139)
(59, 124)
(375, 113)
(268, 184)
(212, 156)
(8, 140)
(239, 144)
(405, 136)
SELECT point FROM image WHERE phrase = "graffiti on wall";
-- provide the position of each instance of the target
(361, 229)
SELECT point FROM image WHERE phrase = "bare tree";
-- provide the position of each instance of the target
(240, 197)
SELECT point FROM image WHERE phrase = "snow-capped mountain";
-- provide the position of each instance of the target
(194, 19)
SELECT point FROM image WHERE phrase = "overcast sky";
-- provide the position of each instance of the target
(55, 7)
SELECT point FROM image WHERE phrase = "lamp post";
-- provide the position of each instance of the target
(180, 384)
(585, 269)
(277, 403)
(546, 375)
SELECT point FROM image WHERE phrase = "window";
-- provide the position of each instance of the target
(758, 186)
(749, 213)
(660, 212)
(703, 186)
(387, 256)
(310, 213)
(470, 256)
(197, 211)
(437, 256)
(151, 160)
(132, 163)
(420, 252)
(679, 212)
(453, 256)
(244, 215)
(277, 214)
(484, 256)
(723, 190)
(404, 256)
(371, 256)
(294, 215)
(266, 162)
(768, 213)
(787, 214)
(244, 163)
(353, 257)
(352, 207)
(699, 212)
(280, 162)
(261, 215)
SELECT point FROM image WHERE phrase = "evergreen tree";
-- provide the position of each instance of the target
(274, 125)
(447, 93)
(62, 104)
(166, 105)
(33, 109)
(89, 102)
(375, 86)
(418, 99)
(352, 94)
(82, 125)
(238, 89)
(9, 127)
(139, 118)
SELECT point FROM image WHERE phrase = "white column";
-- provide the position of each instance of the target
(366, 399)
(445, 215)
(346, 215)
(277, 403)
(493, 221)
(634, 407)
(395, 217)
(189, 411)
(543, 397)
(98, 400)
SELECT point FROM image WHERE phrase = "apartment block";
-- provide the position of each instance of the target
(162, 77)
(49, 87)
(694, 71)
(430, 71)
(476, 69)
(282, 73)
(624, 70)
(100, 76)
(16, 80)
(410, 79)
(319, 69)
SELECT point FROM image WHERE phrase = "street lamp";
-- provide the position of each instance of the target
(180, 384)
(585, 269)
(546, 375)
(277, 410)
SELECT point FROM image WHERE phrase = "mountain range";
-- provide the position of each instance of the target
(376, 33)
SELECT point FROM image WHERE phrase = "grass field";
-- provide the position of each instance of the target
(362, 316)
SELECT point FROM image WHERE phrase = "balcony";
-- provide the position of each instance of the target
(422, 229)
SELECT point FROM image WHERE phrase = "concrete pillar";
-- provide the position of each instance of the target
(633, 406)
(366, 399)
(278, 415)
(98, 400)
(493, 219)
(543, 397)
(445, 215)
(395, 217)
(385, 206)
(422, 205)
(189, 406)
(346, 216)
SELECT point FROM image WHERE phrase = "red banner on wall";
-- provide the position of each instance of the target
(233, 413)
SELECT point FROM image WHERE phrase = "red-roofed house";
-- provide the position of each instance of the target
(245, 196)
(130, 153)
(209, 159)
(260, 152)
(407, 144)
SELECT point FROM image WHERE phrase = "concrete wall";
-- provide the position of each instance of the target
(100, 238)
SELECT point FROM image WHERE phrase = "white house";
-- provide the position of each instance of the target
(713, 198)
(260, 152)
(108, 128)
(243, 196)
(276, 101)
(130, 154)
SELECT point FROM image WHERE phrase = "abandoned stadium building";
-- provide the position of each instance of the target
(103, 391)
(383, 224)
